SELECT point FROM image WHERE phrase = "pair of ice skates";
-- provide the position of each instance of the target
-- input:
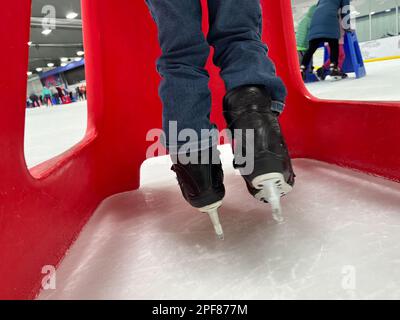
(334, 73)
(245, 108)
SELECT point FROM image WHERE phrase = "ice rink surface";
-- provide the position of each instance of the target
(340, 240)
(51, 131)
(380, 84)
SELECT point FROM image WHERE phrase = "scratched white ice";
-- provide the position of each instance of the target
(51, 131)
(341, 238)
(378, 85)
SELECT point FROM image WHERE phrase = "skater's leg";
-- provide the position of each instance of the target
(184, 88)
(202, 185)
(267, 169)
(327, 63)
(335, 71)
(254, 99)
(235, 33)
(337, 54)
(342, 55)
(187, 102)
(313, 46)
(334, 46)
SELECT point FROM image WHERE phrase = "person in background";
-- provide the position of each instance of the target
(54, 93)
(46, 95)
(83, 90)
(60, 95)
(324, 70)
(303, 31)
(28, 102)
(60, 91)
(79, 95)
(56, 98)
(325, 27)
(35, 100)
(67, 95)
(65, 90)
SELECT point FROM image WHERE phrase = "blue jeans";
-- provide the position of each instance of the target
(235, 34)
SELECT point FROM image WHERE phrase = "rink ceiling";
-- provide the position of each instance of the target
(64, 41)
(61, 7)
(94, 174)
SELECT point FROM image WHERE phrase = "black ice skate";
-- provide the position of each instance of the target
(322, 73)
(249, 107)
(202, 184)
(336, 74)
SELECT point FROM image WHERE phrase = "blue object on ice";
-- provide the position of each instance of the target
(310, 76)
(354, 61)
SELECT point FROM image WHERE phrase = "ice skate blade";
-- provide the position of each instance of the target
(212, 211)
(334, 78)
(272, 187)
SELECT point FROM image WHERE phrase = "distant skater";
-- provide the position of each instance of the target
(325, 27)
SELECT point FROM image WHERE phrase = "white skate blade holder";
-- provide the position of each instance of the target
(272, 187)
(212, 211)
(333, 78)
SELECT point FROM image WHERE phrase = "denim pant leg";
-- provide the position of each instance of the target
(235, 34)
(184, 87)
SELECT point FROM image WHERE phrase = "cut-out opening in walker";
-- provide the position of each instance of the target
(56, 104)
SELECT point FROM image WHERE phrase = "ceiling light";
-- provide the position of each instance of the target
(388, 10)
(63, 59)
(63, 64)
(39, 69)
(46, 31)
(50, 65)
(71, 15)
(29, 73)
(80, 53)
(372, 13)
(78, 59)
(29, 43)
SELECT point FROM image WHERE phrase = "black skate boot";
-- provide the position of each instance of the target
(336, 74)
(321, 73)
(202, 183)
(249, 107)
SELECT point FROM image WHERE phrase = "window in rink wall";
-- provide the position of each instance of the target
(383, 24)
(363, 28)
(377, 31)
(56, 112)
